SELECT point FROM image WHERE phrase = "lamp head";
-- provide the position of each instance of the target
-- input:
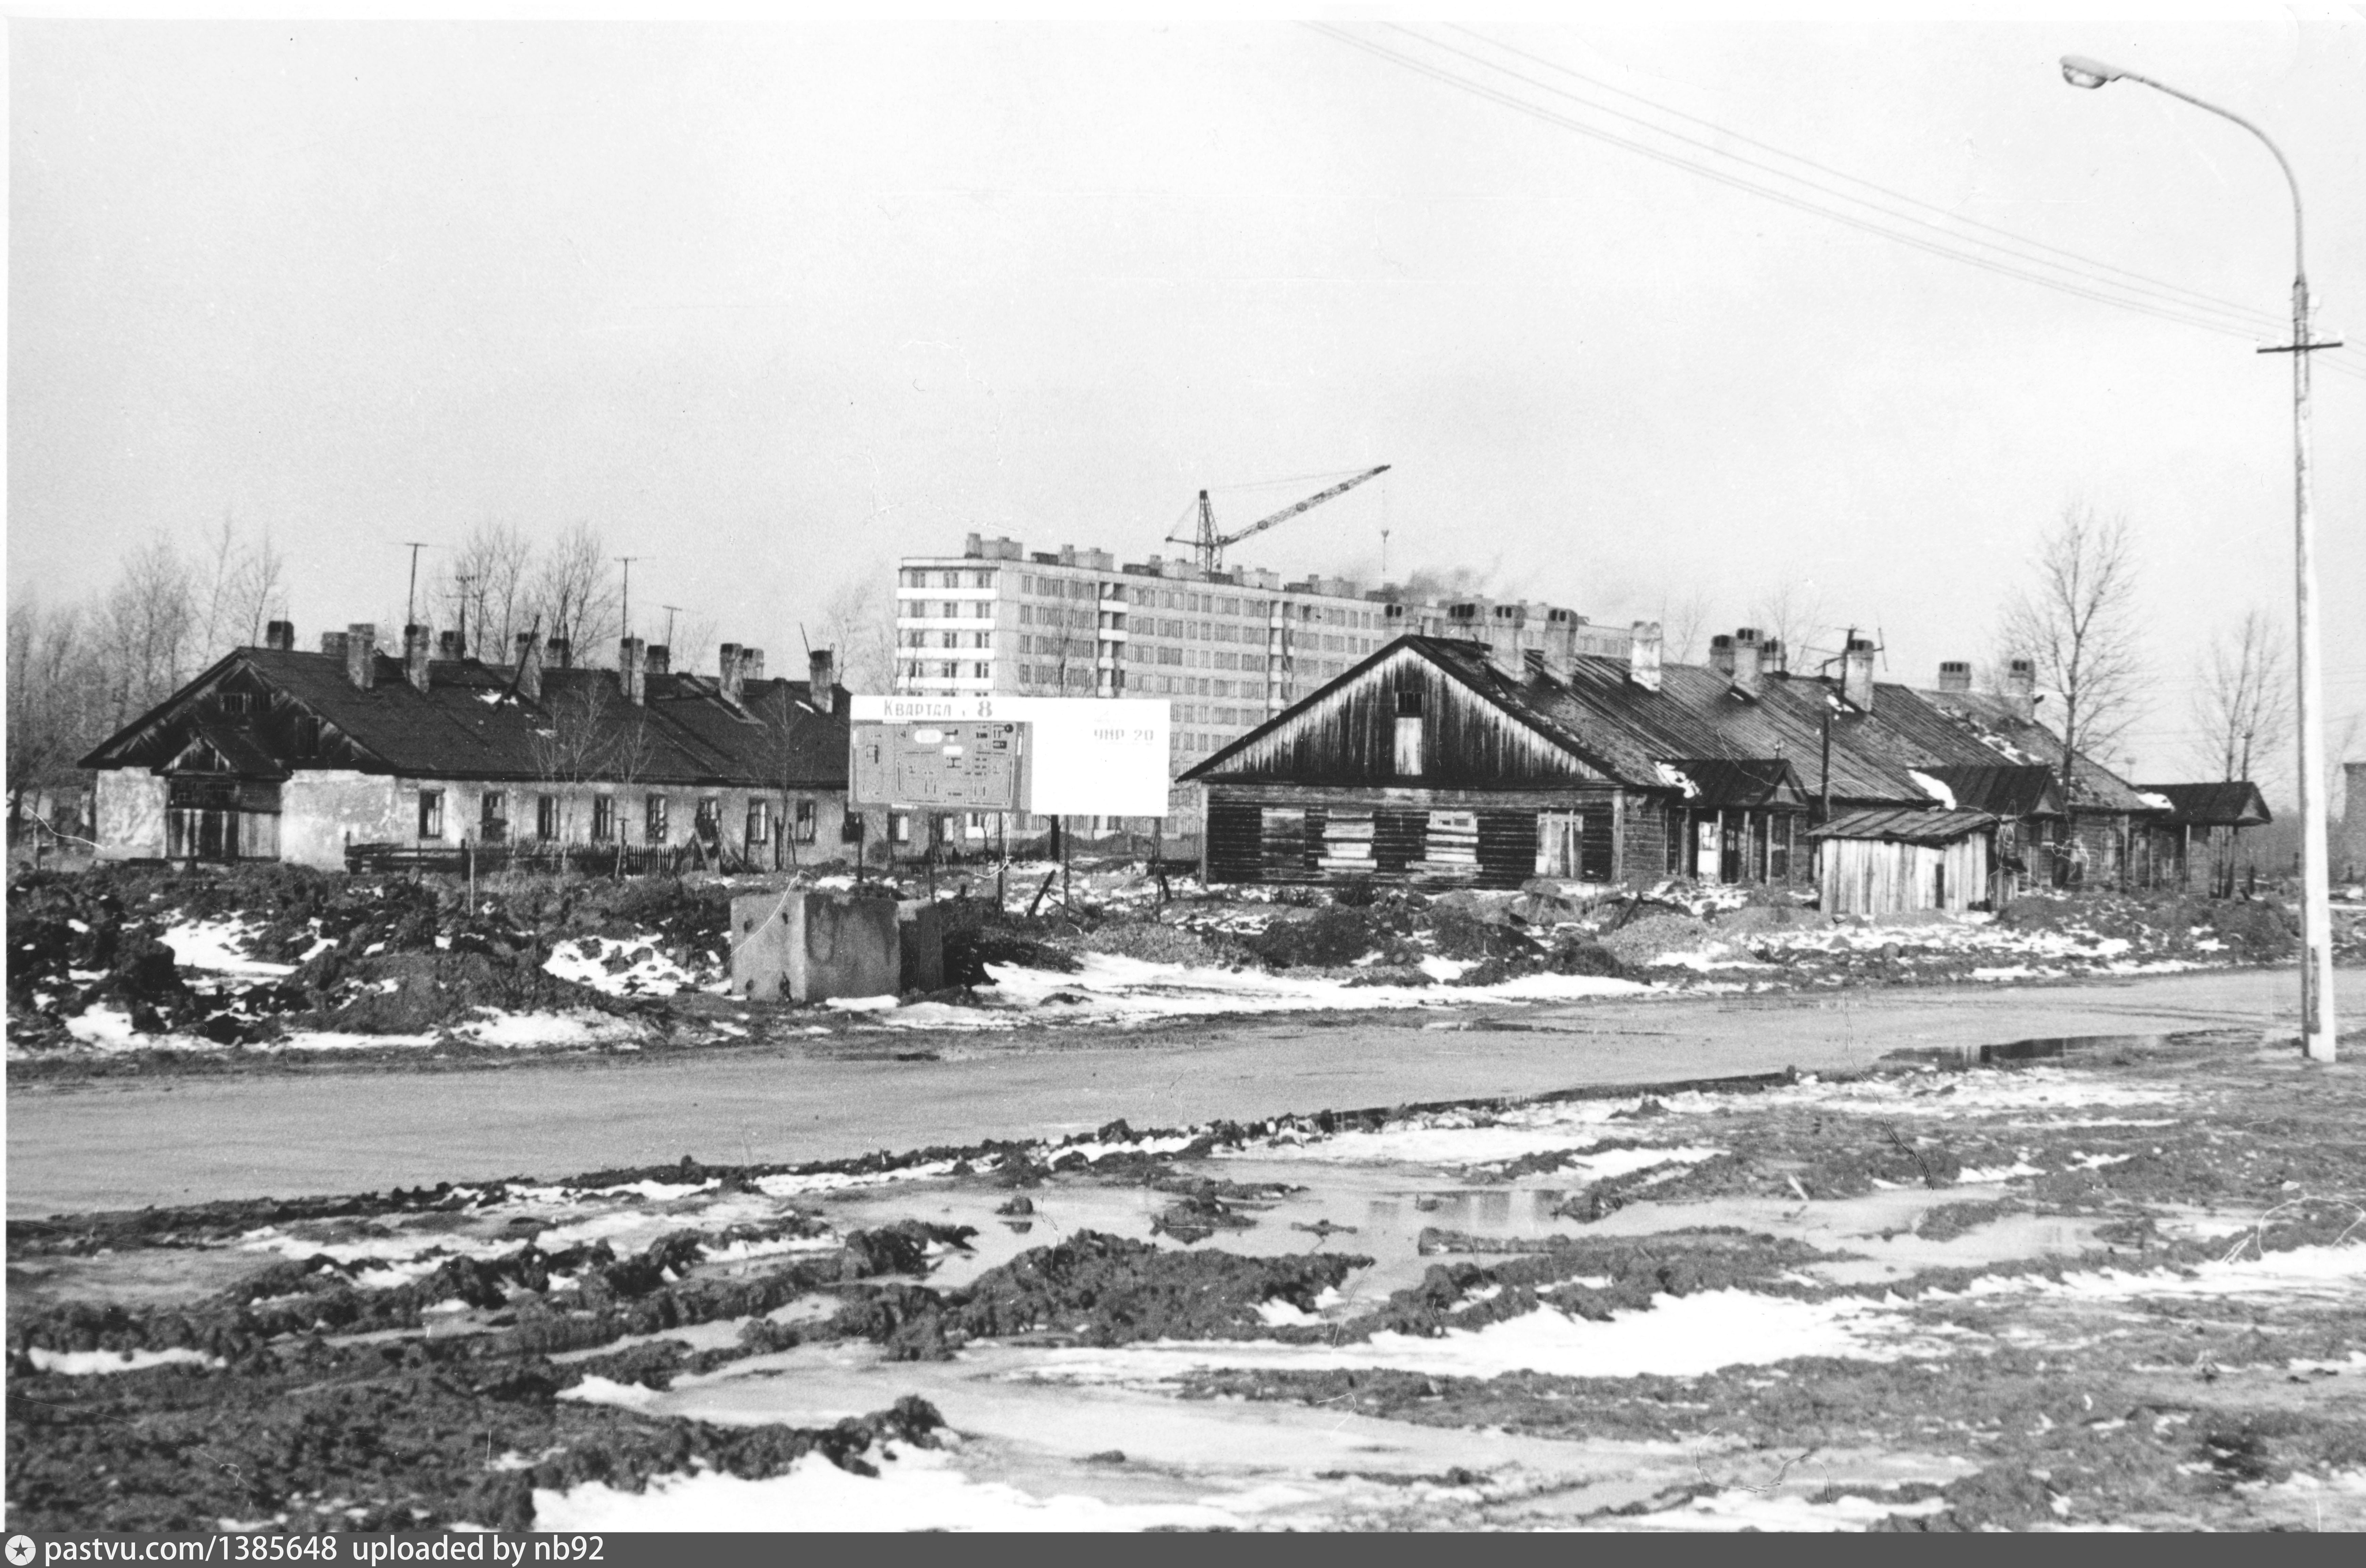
(2081, 71)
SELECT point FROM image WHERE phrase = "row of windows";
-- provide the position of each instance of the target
(915, 577)
(550, 817)
(946, 669)
(1045, 615)
(945, 639)
(948, 609)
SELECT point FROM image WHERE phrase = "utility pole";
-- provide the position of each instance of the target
(2316, 1020)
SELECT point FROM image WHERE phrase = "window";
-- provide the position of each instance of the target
(900, 827)
(759, 822)
(603, 819)
(981, 579)
(430, 813)
(235, 704)
(981, 671)
(709, 819)
(654, 831)
(806, 814)
(493, 817)
(546, 818)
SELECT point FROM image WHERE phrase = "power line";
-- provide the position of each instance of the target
(2169, 312)
(2148, 284)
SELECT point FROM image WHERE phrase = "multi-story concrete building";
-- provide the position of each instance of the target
(1229, 649)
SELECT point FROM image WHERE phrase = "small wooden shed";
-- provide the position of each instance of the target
(1890, 861)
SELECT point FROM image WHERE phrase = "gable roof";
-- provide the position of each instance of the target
(1738, 746)
(2235, 803)
(471, 723)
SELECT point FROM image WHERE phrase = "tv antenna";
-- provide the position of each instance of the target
(627, 613)
(411, 597)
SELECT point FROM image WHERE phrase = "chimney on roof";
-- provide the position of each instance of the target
(821, 676)
(1643, 655)
(447, 645)
(1955, 675)
(630, 672)
(2020, 688)
(973, 546)
(751, 666)
(414, 656)
(729, 676)
(1857, 674)
(1534, 660)
(1774, 659)
(529, 666)
(361, 655)
(1721, 655)
(659, 658)
(1747, 659)
(558, 653)
(280, 636)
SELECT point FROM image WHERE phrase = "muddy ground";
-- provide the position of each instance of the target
(121, 971)
(2120, 1286)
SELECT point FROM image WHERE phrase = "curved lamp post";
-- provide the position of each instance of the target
(2316, 908)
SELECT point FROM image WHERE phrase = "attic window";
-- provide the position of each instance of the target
(308, 735)
(236, 705)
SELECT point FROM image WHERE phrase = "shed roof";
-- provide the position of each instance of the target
(1905, 826)
(2236, 803)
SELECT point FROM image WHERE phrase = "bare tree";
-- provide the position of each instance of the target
(1791, 612)
(574, 591)
(55, 712)
(484, 589)
(2242, 700)
(1683, 621)
(147, 628)
(2077, 623)
(859, 621)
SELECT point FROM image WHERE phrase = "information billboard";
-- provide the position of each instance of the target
(1079, 756)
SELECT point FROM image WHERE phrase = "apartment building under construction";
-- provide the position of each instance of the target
(1229, 649)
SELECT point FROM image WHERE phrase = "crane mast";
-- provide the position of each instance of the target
(1210, 546)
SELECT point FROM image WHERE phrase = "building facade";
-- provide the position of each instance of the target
(333, 758)
(1229, 650)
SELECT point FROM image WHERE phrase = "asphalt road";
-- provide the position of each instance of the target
(127, 1144)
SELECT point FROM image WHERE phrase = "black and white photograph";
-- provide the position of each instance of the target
(1582, 769)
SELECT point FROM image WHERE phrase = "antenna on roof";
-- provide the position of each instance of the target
(410, 599)
(627, 613)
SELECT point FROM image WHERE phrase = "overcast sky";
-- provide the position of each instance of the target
(771, 306)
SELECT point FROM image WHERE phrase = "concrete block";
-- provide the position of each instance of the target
(920, 923)
(812, 946)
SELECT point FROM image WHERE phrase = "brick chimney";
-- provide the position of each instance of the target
(280, 636)
(1856, 675)
(447, 645)
(728, 668)
(2020, 688)
(1643, 655)
(361, 655)
(631, 673)
(1533, 661)
(751, 665)
(1721, 655)
(661, 659)
(415, 638)
(821, 675)
(1747, 662)
(1955, 675)
(529, 666)
(1774, 659)
(558, 653)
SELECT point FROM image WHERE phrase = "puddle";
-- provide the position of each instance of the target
(2043, 1048)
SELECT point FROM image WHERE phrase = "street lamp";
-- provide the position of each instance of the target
(2317, 905)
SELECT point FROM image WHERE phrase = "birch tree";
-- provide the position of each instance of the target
(2077, 622)
(2242, 698)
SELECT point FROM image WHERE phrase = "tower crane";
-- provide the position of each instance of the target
(1210, 546)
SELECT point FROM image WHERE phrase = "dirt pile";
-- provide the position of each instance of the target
(2252, 931)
